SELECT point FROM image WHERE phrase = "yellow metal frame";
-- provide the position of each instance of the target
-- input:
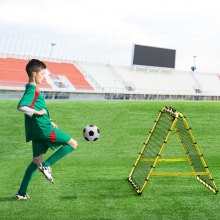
(175, 115)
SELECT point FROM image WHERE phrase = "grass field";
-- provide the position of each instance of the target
(91, 183)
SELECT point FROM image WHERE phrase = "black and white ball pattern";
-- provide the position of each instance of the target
(91, 133)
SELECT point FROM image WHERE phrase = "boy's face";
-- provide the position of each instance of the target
(39, 76)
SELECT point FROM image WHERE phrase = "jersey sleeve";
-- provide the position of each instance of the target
(26, 110)
(28, 97)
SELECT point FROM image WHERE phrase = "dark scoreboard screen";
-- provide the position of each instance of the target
(154, 56)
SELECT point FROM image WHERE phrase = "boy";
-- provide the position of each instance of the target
(40, 129)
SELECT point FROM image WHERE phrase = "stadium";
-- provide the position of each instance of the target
(157, 156)
(84, 80)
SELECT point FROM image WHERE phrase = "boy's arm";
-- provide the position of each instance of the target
(30, 111)
(27, 102)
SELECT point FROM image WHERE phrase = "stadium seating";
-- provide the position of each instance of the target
(112, 78)
(71, 72)
(104, 76)
(145, 80)
(210, 83)
(117, 78)
(12, 73)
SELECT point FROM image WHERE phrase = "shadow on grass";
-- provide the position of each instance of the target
(110, 188)
(7, 199)
(69, 197)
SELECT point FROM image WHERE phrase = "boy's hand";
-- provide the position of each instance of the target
(54, 125)
(41, 112)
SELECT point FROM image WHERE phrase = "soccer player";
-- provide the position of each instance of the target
(40, 129)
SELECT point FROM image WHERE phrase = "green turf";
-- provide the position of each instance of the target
(91, 183)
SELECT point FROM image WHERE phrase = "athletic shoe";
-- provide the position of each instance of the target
(22, 197)
(46, 171)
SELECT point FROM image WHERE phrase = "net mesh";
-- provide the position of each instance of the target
(152, 149)
(191, 151)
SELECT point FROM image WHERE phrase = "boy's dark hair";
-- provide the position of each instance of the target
(34, 66)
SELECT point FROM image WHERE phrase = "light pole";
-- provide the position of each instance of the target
(52, 45)
(193, 68)
(194, 58)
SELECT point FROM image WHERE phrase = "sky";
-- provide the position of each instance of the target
(106, 30)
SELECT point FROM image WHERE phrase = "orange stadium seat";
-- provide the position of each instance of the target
(71, 73)
(12, 73)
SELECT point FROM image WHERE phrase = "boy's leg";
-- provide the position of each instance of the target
(30, 171)
(63, 151)
(57, 138)
(39, 148)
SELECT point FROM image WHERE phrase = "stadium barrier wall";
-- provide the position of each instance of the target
(15, 93)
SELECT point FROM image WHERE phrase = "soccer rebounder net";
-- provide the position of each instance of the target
(168, 121)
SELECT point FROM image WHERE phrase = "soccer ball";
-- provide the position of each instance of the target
(91, 133)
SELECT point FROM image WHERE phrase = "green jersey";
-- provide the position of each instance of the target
(38, 126)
